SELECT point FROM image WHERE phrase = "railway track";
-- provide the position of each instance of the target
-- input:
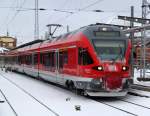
(133, 108)
(115, 103)
(15, 84)
(26, 92)
(140, 87)
(13, 110)
(115, 107)
(122, 108)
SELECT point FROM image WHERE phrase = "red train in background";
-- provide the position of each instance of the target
(94, 59)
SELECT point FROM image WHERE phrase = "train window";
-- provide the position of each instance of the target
(60, 59)
(22, 59)
(13, 59)
(28, 59)
(52, 59)
(46, 59)
(19, 60)
(41, 58)
(35, 59)
(110, 50)
(84, 57)
(63, 58)
(9, 60)
(16, 59)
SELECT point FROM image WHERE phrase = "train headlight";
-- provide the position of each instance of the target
(125, 68)
(100, 68)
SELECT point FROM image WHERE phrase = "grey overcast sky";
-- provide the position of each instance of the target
(21, 24)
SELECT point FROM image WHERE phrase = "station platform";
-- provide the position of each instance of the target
(24, 96)
(137, 77)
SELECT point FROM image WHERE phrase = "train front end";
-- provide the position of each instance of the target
(112, 67)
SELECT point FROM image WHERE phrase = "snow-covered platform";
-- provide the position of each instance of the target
(24, 96)
(143, 83)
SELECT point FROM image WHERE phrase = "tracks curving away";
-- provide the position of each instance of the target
(26, 92)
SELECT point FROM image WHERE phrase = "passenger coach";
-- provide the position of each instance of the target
(94, 59)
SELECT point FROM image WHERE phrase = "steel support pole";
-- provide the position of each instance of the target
(36, 31)
(132, 37)
(144, 13)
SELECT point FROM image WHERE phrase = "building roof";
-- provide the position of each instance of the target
(2, 49)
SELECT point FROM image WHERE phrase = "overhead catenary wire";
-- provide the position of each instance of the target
(6, 22)
(7, 7)
(17, 12)
(67, 10)
(51, 16)
(62, 7)
(81, 9)
(24, 9)
(7, 16)
(71, 13)
(92, 4)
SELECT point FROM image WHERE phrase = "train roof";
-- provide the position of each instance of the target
(65, 38)
(99, 25)
(29, 43)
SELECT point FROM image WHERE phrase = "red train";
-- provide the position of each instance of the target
(94, 59)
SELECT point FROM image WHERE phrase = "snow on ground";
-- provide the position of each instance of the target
(55, 98)
(5, 110)
(23, 104)
(145, 93)
(142, 101)
(131, 107)
(50, 95)
(137, 75)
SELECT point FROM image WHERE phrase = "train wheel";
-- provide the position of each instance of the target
(70, 85)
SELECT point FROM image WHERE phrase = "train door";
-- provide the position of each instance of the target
(60, 62)
(57, 65)
(60, 56)
(35, 64)
(48, 69)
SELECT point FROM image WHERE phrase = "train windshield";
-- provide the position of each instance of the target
(110, 50)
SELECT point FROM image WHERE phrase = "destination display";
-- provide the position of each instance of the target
(107, 34)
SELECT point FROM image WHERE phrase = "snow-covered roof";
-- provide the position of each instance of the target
(2, 50)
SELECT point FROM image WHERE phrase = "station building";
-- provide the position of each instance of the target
(8, 42)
